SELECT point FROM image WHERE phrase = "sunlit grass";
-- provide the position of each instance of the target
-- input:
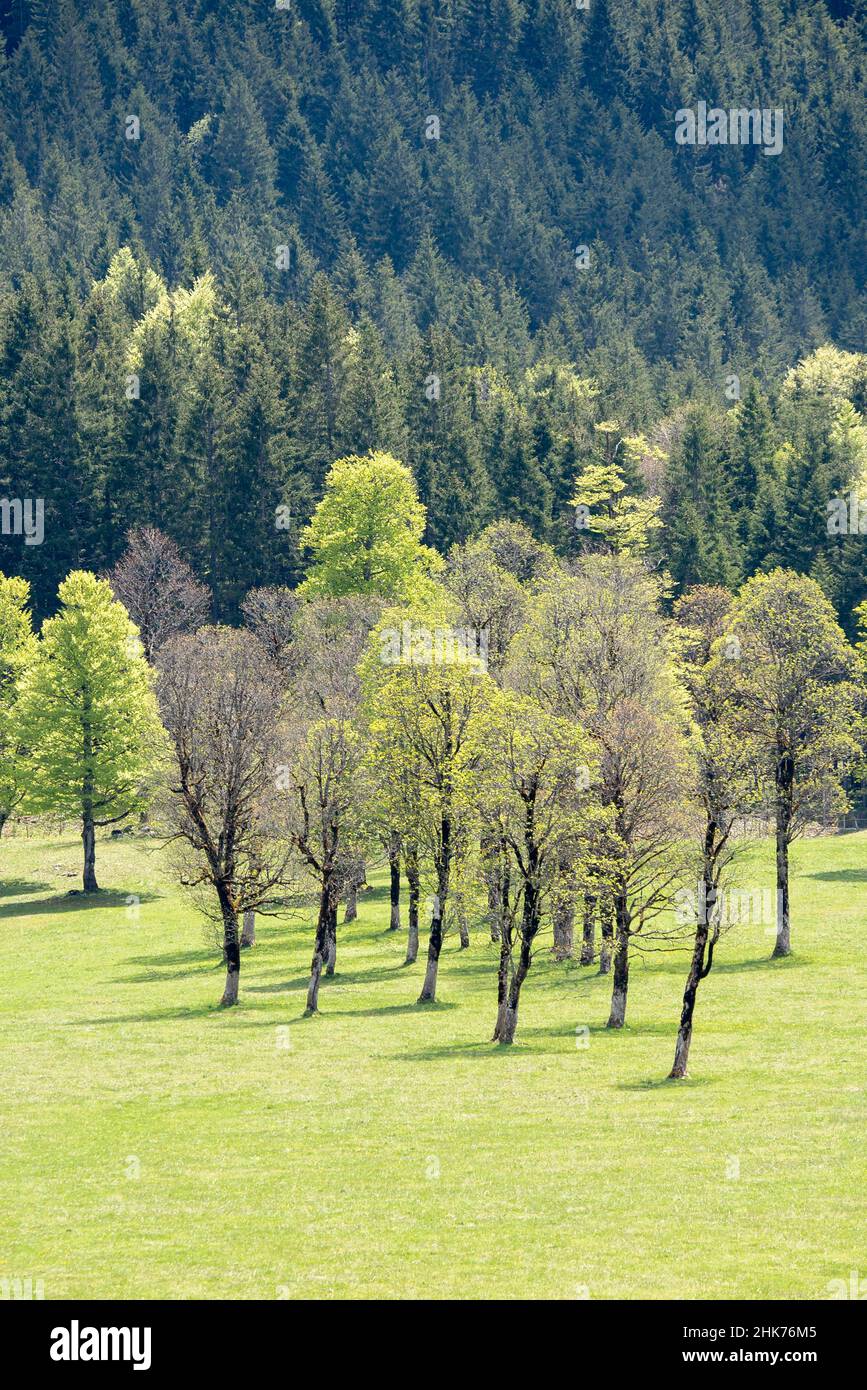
(154, 1146)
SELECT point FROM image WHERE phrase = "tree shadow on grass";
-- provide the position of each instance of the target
(661, 1083)
(16, 887)
(76, 901)
(839, 875)
(528, 1042)
(352, 977)
(734, 967)
(155, 1016)
(413, 1007)
(200, 956)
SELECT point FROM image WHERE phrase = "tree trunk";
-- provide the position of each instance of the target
(331, 944)
(785, 775)
(435, 944)
(320, 952)
(394, 873)
(463, 925)
(503, 982)
(564, 927)
(88, 836)
(493, 873)
(617, 1017)
(607, 920)
(351, 910)
(232, 957)
(697, 972)
(4, 816)
(248, 934)
(410, 860)
(529, 927)
(588, 935)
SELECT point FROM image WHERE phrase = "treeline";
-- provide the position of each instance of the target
(237, 242)
(158, 407)
(535, 744)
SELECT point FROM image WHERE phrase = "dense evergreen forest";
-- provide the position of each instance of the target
(240, 242)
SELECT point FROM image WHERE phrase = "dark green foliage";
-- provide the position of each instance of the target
(389, 190)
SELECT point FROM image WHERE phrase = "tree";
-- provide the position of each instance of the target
(271, 613)
(87, 714)
(425, 695)
(793, 684)
(221, 699)
(491, 599)
(366, 532)
(541, 807)
(726, 790)
(701, 537)
(596, 649)
(17, 649)
(158, 589)
(324, 777)
(625, 521)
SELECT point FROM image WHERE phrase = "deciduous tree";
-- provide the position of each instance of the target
(87, 714)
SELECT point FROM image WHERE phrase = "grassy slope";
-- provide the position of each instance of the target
(311, 1170)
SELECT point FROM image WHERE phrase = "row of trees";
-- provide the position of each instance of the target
(534, 742)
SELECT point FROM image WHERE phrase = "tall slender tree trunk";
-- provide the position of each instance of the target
(394, 880)
(248, 933)
(350, 912)
(564, 927)
(588, 934)
(617, 1017)
(504, 969)
(231, 955)
(320, 951)
(698, 971)
(410, 860)
(494, 908)
(785, 778)
(88, 838)
(607, 919)
(463, 924)
(435, 944)
(4, 816)
(529, 928)
(492, 860)
(331, 945)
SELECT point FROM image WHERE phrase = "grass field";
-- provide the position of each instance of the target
(153, 1146)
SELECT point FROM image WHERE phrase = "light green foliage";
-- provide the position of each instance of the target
(366, 532)
(540, 784)
(426, 699)
(625, 522)
(17, 647)
(828, 371)
(87, 711)
(786, 663)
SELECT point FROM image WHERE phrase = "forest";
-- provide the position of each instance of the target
(238, 243)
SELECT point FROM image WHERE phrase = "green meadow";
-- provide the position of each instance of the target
(153, 1146)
